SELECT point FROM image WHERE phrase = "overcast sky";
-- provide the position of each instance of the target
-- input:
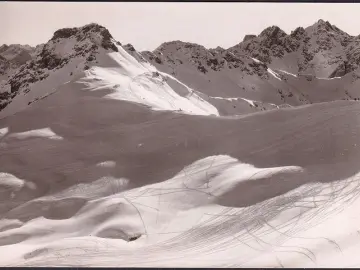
(147, 25)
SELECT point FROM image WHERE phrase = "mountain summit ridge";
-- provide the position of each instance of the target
(262, 70)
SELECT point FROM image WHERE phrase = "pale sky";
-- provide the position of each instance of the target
(147, 25)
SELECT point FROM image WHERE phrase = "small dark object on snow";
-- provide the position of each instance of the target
(158, 60)
(134, 237)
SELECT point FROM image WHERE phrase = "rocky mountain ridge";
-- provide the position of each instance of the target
(271, 70)
(13, 56)
(78, 45)
(321, 40)
(302, 63)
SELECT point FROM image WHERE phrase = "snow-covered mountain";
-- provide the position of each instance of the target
(273, 67)
(268, 71)
(181, 157)
(90, 56)
(318, 49)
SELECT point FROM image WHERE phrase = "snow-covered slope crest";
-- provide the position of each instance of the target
(142, 83)
(68, 52)
(90, 55)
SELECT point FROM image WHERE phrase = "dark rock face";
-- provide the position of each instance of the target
(21, 58)
(47, 58)
(172, 54)
(341, 70)
(134, 237)
(3, 48)
(64, 33)
(129, 47)
(248, 37)
(321, 38)
(151, 57)
(4, 65)
(272, 42)
(272, 33)
(217, 50)
(83, 33)
(107, 44)
(85, 46)
(13, 56)
(298, 34)
(353, 55)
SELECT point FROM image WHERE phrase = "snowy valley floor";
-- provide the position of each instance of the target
(81, 175)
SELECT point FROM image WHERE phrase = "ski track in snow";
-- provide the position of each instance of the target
(190, 227)
(190, 232)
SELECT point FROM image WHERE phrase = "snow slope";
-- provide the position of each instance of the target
(99, 168)
(129, 186)
(140, 82)
(83, 56)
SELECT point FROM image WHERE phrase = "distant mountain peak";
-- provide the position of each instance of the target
(178, 44)
(90, 31)
(249, 37)
(325, 26)
(218, 49)
(82, 46)
(129, 47)
(3, 47)
(68, 32)
(273, 31)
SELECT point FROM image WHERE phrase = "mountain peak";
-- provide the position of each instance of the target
(129, 47)
(298, 33)
(322, 26)
(3, 47)
(177, 44)
(68, 32)
(323, 23)
(322, 29)
(92, 31)
(248, 37)
(218, 48)
(273, 31)
(82, 46)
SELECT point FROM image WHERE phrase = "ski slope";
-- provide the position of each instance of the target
(94, 181)
(122, 165)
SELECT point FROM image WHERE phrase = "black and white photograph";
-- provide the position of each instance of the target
(173, 134)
